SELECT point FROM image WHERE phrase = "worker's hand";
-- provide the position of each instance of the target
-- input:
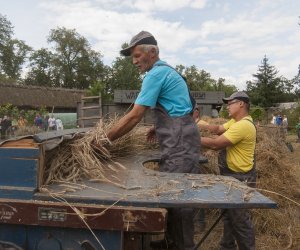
(104, 144)
(151, 136)
(202, 124)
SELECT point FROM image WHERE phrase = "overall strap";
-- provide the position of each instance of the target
(193, 101)
(253, 125)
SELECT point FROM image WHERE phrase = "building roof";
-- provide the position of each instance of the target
(33, 96)
(288, 105)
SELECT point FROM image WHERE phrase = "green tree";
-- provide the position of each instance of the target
(75, 64)
(122, 75)
(41, 68)
(220, 85)
(296, 83)
(267, 88)
(200, 80)
(13, 52)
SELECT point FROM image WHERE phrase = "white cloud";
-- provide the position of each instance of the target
(198, 50)
(151, 5)
(110, 29)
(229, 38)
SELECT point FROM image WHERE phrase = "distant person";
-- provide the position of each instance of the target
(214, 113)
(279, 120)
(51, 123)
(5, 126)
(59, 124)
(45, 122)
(273, 121)
(38, 121)
(298, 130)
(14, 126)
(285, 124)
(22, 122)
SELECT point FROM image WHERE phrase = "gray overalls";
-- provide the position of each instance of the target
(237, 222)
(179, 141)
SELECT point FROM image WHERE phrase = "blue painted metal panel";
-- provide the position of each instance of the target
(13, 233)
(36, 238)
(19, 153)
(18, 172)
(16, 192)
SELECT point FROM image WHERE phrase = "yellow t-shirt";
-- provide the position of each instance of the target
(242, 135)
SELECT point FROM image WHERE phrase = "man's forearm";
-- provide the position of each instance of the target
(208, 142)
(126, 124)
(215, 129)
(215, 143)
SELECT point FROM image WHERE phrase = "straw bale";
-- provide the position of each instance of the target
(92, 156)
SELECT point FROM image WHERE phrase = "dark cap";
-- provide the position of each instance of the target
(240, 95)
(144, 37)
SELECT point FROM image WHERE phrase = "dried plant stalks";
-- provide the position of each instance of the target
(91, 156)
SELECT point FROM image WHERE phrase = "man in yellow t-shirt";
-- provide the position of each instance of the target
(236, 139)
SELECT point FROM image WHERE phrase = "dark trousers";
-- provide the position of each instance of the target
(180, 228)
(238, 227)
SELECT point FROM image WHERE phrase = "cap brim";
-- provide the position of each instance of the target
(126, 51)
(241, 98)
(226, 100)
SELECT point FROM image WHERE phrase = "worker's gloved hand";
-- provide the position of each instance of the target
(151, 136)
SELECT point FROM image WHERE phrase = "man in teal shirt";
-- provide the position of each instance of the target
(165, 90)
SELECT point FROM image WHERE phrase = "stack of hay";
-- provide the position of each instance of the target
(91, 156)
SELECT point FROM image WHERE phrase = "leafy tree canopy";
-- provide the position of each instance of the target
(13, 52)
(75, 64)
(267, 87)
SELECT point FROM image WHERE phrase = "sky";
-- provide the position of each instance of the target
(227, 38)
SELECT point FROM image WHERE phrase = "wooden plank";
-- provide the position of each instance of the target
(81, 122)
(22, 143)
(89, 97)
(100, 104)
(59, 214)
(92, 107)
(90, 118)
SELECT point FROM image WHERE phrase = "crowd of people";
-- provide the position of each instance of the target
(48, 122)
(9, 125)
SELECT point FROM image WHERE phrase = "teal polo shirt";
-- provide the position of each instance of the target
(165, 86)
